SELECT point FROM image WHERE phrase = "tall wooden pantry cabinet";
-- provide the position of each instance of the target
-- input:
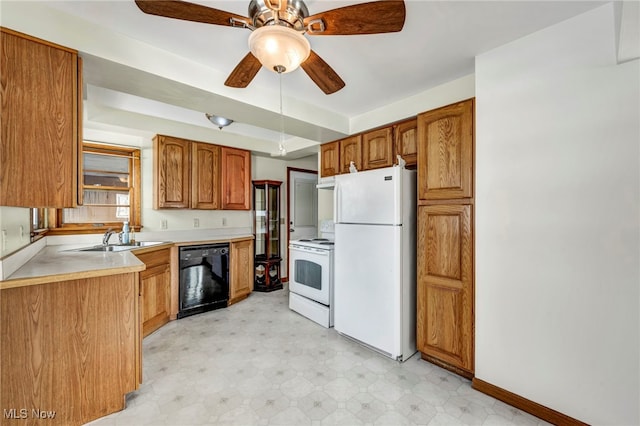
(445, 293)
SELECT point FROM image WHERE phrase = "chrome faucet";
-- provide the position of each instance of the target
(107, 235)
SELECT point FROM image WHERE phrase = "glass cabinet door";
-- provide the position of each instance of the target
(273, 198)
(260, 201)
(266, 206)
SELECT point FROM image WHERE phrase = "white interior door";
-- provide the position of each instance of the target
(303, 205)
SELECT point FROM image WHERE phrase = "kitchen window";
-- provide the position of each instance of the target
(109, 191)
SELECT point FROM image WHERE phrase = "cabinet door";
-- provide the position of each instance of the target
(329, 159)
(236, 179)
(241, 258)
(445, 329)
(205, 176)
(40, 123)
(171, 172)
(69, 346)
(350, 150)
(406, 138)
(445, 152)
(377, 149)
(155, 290)
(155, 284)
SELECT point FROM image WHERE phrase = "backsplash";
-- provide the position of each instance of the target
(15, 223)
(14, 229)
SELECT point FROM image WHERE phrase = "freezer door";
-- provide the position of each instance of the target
(370, 197)
(367, 285)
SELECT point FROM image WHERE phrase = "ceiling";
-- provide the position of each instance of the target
(146, 74)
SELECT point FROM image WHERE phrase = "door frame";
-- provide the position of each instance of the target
(289, 171)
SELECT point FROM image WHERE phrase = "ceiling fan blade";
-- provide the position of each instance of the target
(191, 12)
(385, 16)
(244, 72)
(322, 74)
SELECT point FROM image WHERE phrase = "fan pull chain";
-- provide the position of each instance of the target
(281, 147)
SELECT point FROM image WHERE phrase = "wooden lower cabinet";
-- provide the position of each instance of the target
(445, 318)
(155, 290)
(241, 259)
(69, 347)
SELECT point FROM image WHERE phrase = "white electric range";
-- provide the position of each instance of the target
(311, 277)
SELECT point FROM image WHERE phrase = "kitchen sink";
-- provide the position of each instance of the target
(121, 247)
(107, 248)
(145, 243)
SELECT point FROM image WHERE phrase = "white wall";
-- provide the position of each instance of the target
(558, 212)
(444, 94)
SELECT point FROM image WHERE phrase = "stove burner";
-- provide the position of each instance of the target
(305, 240)
(320, 239)
(327, 243)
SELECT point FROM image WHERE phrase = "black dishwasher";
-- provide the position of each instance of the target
(204, 278)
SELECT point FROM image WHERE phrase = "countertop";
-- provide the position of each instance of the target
(54, 264)
(61, 263)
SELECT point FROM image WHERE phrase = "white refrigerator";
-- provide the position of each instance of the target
(375, 259)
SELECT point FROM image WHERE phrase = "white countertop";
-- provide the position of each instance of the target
(53, 263)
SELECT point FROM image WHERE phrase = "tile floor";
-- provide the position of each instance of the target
(258, 363)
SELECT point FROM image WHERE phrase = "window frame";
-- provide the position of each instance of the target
(57, 227)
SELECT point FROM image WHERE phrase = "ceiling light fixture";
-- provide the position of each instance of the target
(279, 48)
(219, 120)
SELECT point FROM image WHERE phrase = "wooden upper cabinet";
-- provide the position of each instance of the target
(445, 296)
(350, 150)
(445, 152)
(236, 179)
(205, 176)
(172, 172)
(329, 159)
(406, 141)
(40, 127)
(377, 149)
(198, 175)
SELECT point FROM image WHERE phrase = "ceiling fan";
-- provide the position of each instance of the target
(285, 22)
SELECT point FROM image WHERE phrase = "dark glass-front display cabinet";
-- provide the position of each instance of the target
(266, 210)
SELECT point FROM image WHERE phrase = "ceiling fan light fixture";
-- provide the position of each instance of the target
(219, 120)
(278, 48)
